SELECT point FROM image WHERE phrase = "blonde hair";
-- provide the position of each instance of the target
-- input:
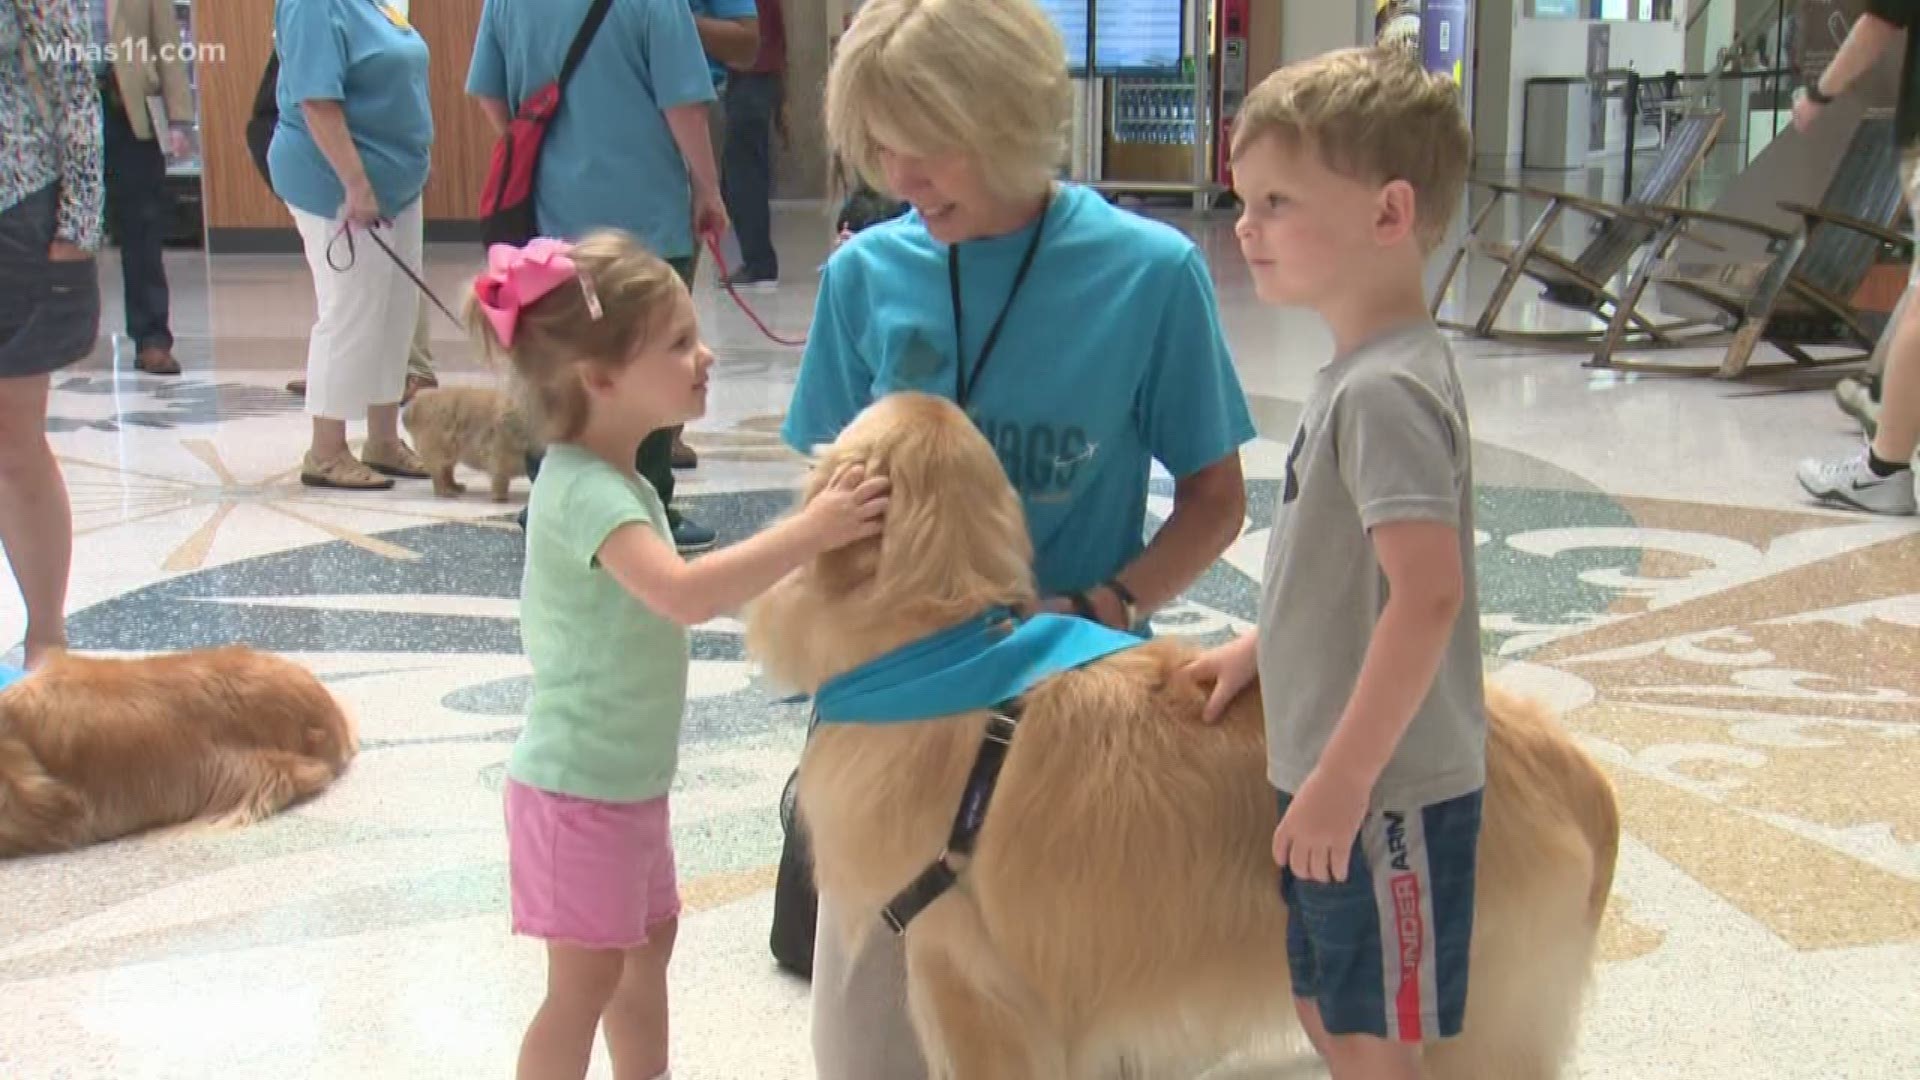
(987, 78)
(631, 290)
(1373, 115)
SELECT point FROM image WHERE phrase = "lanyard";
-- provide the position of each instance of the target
(963, 383)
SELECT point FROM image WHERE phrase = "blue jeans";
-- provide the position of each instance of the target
(1384, 953)
(746, 168)
(136, 174)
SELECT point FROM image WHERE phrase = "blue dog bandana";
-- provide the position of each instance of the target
(982, 662)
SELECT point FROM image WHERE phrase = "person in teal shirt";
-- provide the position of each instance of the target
(629, 148)
(349, 155)
(729, 32)
(1083, 341)
(366, 57)
(612, 157)
(1111, 357)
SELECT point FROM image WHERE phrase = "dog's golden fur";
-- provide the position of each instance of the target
(92, 749)
(1122, 903)
(473, 426)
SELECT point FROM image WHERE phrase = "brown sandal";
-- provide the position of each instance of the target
(343, 471)
(393, 459)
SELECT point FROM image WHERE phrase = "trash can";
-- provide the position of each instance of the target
(1556, 122)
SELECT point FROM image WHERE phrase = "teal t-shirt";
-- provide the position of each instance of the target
(364, 55)
(723, 9)
(609, 675)
(609, 159)
(1111, 357)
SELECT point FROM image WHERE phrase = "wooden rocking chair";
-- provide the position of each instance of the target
(1582, 281)
(1801, 294)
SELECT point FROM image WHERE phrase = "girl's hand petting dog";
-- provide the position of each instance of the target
(1315, 838)
(1230, 668)
(851, 507)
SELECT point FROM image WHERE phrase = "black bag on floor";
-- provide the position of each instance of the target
(796, 907)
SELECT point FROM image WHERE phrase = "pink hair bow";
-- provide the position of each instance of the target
(517, 276)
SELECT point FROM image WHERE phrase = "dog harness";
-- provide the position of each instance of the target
(988, 662)
(942, 874)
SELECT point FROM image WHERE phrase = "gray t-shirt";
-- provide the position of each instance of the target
(1384, 438)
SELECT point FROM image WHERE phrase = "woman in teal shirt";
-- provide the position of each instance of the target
(1083, 341)
(349, 157)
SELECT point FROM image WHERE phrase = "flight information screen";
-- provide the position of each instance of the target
(1131, 37)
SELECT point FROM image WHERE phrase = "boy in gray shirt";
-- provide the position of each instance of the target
(1349, 166)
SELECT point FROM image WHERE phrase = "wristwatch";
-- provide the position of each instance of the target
(1128, 602)
(1814, 95)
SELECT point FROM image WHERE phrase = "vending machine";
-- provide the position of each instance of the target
(1230, 81)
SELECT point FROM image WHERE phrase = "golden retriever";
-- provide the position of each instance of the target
(473, 426)
(93, 749)
(1121, 908)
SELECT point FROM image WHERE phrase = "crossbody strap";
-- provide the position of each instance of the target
(596, 15)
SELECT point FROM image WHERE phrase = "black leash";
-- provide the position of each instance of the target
(346, 230)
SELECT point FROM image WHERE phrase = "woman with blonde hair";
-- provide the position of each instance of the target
(1083, 341)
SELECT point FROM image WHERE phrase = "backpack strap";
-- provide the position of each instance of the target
(596, 15)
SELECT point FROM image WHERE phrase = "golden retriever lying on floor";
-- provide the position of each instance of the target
(1122, 905)
(94, 749)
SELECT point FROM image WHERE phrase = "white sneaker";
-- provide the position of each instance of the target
(1850, 482)
(1859, 399)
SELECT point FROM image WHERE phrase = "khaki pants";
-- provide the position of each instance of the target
(420, 355)
(860, 1026)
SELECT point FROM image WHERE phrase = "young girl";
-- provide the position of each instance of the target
(601, 335)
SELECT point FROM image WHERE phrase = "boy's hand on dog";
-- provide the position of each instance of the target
(851, 507)
(1230, 668)
(1315, 838)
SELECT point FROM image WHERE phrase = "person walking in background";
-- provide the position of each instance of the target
(1879, 477)
(753, 98)
(50, 204)
(139, 59)
(349, 157)
(628, 149)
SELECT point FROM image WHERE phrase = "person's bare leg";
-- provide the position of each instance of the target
(329, 438)
(1899, 432)
(1311, 1023)
(1366, 1057)
(580, 983)
(635, 1022)
(383, 424)
(1358, 1057)
(37, 528)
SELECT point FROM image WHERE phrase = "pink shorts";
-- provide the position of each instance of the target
(589, 873)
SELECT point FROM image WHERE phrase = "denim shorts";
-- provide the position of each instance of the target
(49, 311)
(1384, 953)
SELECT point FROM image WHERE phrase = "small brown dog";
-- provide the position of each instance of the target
(474, 426)
(94, 749)
(1121, 911)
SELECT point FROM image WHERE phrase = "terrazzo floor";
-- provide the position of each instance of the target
(1746, 664)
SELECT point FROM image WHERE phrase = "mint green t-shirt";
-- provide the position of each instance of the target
(609, 675)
